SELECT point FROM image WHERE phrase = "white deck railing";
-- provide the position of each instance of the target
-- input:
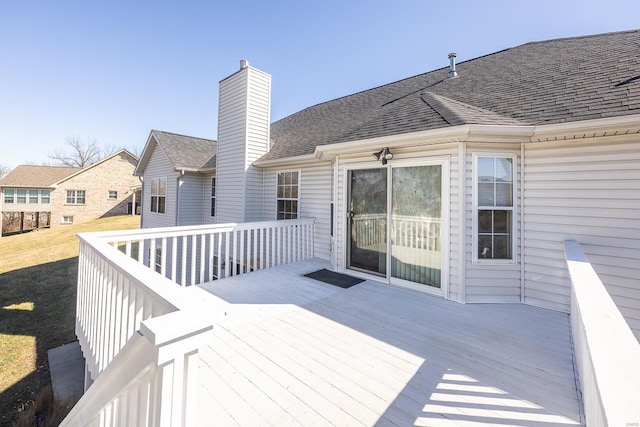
(406, 231)
(196, 254)
(607, 352)
(140, 331)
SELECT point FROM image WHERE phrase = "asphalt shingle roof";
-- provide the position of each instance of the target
(187, 152)
(28, 176)
(545, 82)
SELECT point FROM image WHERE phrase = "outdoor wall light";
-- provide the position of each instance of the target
(383, 155)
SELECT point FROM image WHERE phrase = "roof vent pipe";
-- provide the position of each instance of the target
(244, 64)
(452, 65)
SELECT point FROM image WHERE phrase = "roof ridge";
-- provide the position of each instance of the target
(455, 116)
(183, 135)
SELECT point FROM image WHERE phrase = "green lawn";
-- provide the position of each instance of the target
(38, 273)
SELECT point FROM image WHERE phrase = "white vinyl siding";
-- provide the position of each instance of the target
(314, 202)
(496, 281)
(159, 166)
(590, 192)
(243, 136)
(190, 199)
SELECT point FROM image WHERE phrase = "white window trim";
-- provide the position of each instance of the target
(166, 188)
(514, 210)
(213, 187)
(299, 171)
(109, 194)
(75, 198)
(64, 221)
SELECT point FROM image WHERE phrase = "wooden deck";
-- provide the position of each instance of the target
(295, 351)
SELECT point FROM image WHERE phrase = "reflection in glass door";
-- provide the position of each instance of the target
(416, 218)
(368, 220)
(397, 235)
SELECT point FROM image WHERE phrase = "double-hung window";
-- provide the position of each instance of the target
(21, 196)
(75, 197)
(113, 195)
(494, 207)
(33, 196)
(9, 195)
(45, 196)
(158, 194)
(213, 196)
(287, 195)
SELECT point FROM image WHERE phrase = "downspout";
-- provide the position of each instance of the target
(522, 222)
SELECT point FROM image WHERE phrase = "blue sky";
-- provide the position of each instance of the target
(114, 70)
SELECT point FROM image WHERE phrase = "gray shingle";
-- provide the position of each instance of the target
(187, 152)
(537, 83)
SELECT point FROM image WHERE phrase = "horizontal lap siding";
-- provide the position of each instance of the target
(315, 201)
(231, 149)
(190, 200)
(494, 282)
(259, 93)
(589, 192)
(159, 167)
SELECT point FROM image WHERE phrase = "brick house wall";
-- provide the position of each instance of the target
(112, 174)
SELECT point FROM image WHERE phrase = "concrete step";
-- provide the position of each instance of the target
(66, 366)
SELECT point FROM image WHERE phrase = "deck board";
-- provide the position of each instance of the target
(294, 351)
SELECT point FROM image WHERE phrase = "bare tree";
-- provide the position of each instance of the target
(4, 170)
(80, 153)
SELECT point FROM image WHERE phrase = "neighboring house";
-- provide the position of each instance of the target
(72, 195)
(492, 163)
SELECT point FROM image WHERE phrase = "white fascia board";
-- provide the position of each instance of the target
(286, 161)
(441, 135)
(588, 128)
(144, 157)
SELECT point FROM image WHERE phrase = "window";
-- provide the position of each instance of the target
(21, 196)
(45, 196)
(67, 219)
(158, 194)
(494, 199)
(9, 195)
(33, 196)
(158, 260)
(113, 195)
(75, 197)
(287, 195)
(213, 196)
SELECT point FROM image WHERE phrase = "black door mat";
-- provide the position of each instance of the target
(331, 277)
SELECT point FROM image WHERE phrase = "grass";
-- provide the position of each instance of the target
(38, 273)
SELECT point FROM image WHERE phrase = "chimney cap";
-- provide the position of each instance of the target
(452, 55)
(244, 63)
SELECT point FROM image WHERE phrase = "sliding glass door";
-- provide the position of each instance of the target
(395, 223)
(368, 220)
(416, 216)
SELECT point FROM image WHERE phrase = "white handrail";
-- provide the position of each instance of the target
(607, 353)
(148, 381)
(196, 254)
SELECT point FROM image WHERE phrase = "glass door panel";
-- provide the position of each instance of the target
(368, 220)
(416, 217)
